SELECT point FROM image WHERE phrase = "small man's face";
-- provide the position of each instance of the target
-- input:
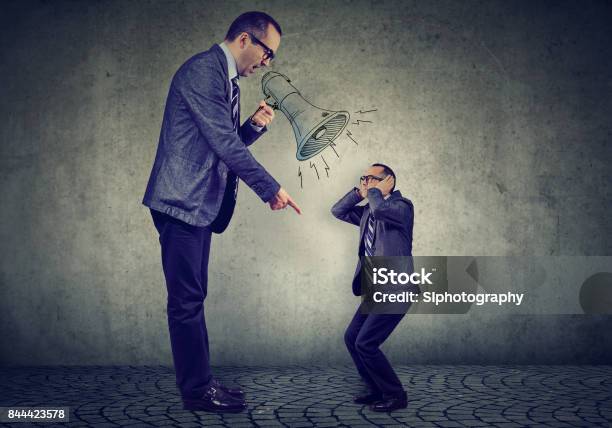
(253, 54)
(373, 175)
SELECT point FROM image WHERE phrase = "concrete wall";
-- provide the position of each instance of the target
(495, 116)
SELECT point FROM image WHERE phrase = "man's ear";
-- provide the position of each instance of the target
(243, 39)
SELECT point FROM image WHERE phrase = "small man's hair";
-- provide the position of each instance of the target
(252, 22)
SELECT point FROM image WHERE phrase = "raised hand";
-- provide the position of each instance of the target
(264, 115)
(386, 185)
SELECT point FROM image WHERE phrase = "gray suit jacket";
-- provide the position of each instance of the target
(393, 221)
(198, 146)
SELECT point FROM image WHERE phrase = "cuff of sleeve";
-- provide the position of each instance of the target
(375, 196)
(267, 197)
(256, 127)
(354, 196)
(356, 191)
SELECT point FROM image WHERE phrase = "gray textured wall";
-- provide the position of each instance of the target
(495, 115)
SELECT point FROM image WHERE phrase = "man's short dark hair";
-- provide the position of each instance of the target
(387, 171)
(252, 22)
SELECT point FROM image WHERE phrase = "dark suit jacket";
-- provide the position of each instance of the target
(197, 145)
(393, 218)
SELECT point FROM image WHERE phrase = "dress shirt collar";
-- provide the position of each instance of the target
(231, 62)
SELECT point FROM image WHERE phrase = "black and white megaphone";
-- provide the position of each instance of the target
(314, 127)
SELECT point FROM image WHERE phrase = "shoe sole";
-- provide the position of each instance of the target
(238, 396)
(369, 403)
(388, 411)
(200, 408)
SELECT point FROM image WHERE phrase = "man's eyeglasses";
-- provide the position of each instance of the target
(367, 178)
(268, 53)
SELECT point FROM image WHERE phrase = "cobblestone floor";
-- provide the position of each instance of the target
(440, 396)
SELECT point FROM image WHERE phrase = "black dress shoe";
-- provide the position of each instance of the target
(215, 400)
(368, 398)
(231, 390)
(391, 403)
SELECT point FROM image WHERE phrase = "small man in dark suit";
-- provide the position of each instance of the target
(386, 223)
(191, 193)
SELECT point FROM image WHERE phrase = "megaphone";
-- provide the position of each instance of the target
(315, 128)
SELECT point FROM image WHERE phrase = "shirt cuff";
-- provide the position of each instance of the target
(255, 127)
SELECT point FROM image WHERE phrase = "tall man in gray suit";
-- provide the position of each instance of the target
(385, 224)
(191, 193)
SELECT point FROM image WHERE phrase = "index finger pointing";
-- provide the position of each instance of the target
(294, 206)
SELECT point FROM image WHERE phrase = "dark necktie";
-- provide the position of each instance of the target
(228, 203)
(368, 241)
(232, 180)
(235, 104)
(369, 236)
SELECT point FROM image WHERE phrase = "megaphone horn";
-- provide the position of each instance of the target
(315, 128)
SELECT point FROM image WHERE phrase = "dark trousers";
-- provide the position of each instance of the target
(364, 336)
(184, 253)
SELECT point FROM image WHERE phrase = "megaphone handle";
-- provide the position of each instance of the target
(274, 106)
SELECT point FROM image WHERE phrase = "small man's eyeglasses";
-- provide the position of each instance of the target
(367, 178)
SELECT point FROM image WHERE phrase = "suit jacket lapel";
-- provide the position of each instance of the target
(363, 223)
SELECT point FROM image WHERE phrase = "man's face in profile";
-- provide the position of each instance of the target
(253, 55)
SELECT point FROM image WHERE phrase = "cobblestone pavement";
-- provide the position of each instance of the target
(440, 396)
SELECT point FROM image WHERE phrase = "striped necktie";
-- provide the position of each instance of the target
(369, 236)
(228, 203)
(235, 102)
(232, 179)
